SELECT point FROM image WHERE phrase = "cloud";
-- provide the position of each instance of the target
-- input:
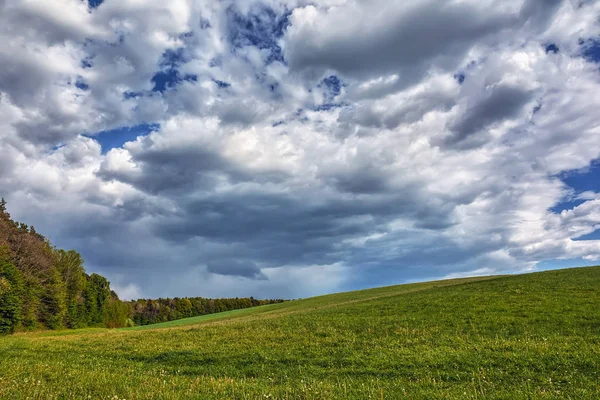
(287, 149)
(396, 38)
(129, 292)
(235, 268)
(500, 103)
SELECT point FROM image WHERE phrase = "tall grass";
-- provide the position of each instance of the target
(526, 336)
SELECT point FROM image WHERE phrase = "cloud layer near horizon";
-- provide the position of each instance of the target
(285, 149)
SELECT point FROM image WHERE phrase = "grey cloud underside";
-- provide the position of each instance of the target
(300, 148)
(177, 170)
(403, 112)
(393, 42)
(499, 104)
(234, 267)
(288, 230)
(285, 228)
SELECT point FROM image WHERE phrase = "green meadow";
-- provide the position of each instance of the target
(532, 336)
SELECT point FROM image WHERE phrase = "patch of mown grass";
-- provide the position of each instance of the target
(526, 336)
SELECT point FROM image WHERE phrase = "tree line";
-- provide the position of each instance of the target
(147, 311)
(43, 287)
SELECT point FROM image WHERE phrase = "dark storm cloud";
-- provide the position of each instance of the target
(297, 151)
(500, 104)
(409, 40)
(271, 228)
(363, 181)
(7, 161)
(246, 269)
(174, 170)
(282, 229)
(21, 78)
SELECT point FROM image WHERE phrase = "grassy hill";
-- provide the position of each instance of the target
(524, 336)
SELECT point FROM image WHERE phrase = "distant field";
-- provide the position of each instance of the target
(513, 337)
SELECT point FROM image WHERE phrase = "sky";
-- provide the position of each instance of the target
(284, 149)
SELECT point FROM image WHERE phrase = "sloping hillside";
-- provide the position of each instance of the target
(526, 336)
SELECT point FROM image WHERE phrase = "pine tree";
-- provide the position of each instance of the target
(70, 265)
(97, 296)
(53, 301)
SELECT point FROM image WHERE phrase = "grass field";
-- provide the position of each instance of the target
(514, 337)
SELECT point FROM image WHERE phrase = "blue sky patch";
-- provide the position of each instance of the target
(590, 236)
(80, 84)
(172, 58)
(283, 21)
(591, 49)
(586, 179)
(551, 48)
(461, 75)
(566, 205)
(568, 263)
(169, 76)
(169, 79)
(86, 63)
(94, 3)
(583, 180)
(328, 106)
(115, 138)
(222, 84)
(334, 85)
(163, 80)
(57, 147)
(131, 95)
(261, 28)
